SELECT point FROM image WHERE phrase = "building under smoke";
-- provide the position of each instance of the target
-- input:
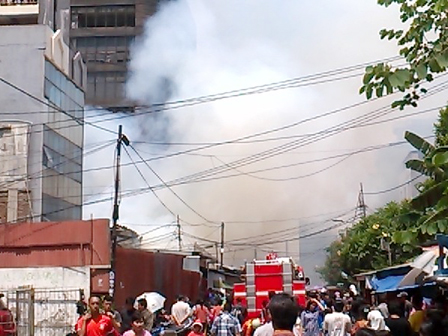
(103, 31)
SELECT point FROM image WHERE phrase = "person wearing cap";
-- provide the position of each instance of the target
(406, 305)
(197, 329)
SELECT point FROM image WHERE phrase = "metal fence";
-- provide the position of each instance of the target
(44, 312)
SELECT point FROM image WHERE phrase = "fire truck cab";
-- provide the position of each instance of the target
(271, 275)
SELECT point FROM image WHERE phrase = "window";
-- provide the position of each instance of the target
(61, 91)
(55, 209)
(105, 49)
(103, 16)
(109, 84)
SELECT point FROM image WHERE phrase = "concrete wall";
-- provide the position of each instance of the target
(46, 278)
(55, 291)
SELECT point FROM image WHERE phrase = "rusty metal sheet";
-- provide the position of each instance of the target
(70, 243)
(141, 271)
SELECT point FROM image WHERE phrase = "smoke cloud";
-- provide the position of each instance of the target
(199, 48)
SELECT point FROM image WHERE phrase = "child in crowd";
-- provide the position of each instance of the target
(196, 329)
(137, 326)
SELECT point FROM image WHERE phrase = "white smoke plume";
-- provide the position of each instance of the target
(198, 48)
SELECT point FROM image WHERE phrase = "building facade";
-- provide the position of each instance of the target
(41, 118)
(103, 31)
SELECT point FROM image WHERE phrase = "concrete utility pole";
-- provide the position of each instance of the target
(115, 215)
(179, 234)
(222, 244)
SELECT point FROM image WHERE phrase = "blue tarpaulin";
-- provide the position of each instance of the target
(387, 284)
(391, 284)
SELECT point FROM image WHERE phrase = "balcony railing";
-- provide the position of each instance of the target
(17, 2)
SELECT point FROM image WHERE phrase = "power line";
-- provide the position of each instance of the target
(131, 193)
(143, 191)
(193, 101)
(78, 120)
(53, 167)
(194, 178)
(263, 87)
(172, 191)
(393, 188)
(257, 134)
(147, 183)
(246, 240)
(276, 150)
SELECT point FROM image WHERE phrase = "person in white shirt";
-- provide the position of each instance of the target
(337, 323)
(376, 320)
(180, 311)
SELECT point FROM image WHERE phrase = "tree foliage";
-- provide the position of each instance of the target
(365, 246)
(423, 45)
(405, 225)
(432, 202)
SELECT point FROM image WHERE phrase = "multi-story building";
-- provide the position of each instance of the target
(103, 31)
(41, 115)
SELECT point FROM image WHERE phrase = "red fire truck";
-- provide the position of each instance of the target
(271, 275)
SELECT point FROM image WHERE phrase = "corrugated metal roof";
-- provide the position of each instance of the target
(68, 243)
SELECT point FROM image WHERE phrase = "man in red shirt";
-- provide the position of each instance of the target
(94, 323)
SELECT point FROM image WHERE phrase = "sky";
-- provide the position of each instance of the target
(291, 176)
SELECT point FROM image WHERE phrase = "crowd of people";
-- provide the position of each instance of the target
(325, 314)
(349, 314)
